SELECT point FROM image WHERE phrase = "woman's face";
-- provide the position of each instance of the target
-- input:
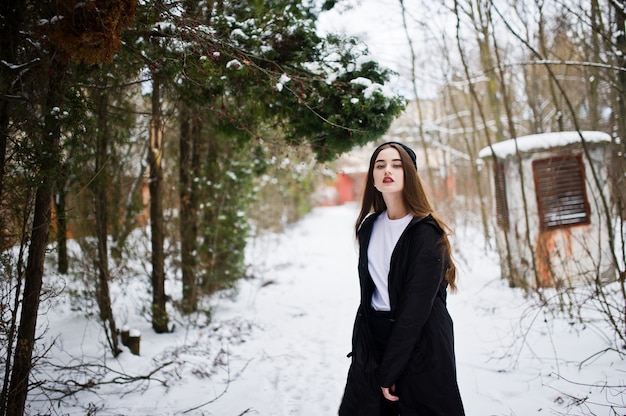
(388, 173)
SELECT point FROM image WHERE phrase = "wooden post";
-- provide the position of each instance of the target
(134, 339)
(125, 335)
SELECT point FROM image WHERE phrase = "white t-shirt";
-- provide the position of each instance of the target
(385, 236)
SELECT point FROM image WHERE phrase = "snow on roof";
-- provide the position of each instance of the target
(542, 141)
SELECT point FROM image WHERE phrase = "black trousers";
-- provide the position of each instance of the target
(380, 327)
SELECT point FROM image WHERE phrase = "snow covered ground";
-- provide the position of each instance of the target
(277, 345)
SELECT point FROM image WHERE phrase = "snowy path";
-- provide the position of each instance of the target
(305, 315)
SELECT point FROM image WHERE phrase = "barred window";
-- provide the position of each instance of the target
(561, 192)
(502, 206)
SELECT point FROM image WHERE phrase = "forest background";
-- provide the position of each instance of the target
(210, 123)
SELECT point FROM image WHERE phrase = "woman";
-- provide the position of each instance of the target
(402, 345)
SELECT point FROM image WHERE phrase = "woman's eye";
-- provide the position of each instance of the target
(380, 166)
(397, 166)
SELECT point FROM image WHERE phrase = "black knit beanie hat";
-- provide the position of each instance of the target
(405, 147)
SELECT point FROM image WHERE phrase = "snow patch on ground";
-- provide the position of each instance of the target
(276, 344)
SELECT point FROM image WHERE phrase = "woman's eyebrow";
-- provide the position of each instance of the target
(384, 160)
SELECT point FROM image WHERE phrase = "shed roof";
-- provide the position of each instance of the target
(541, 141)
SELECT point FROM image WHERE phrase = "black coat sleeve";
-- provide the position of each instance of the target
(415, 277)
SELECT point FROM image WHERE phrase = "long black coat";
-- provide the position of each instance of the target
(419, 357)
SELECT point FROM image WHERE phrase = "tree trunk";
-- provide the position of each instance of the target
(61, 222)
(103, 296)
(470, 148)
(507, 104)
(188, 210)
(48, 167)
(596, 56)
(13, 13)
(486, 61)
(512, 133)
(420, 119)
(543, 48)
(620, 21)
(122, 228)
(159, 313)
(4, 135)
(474, 97)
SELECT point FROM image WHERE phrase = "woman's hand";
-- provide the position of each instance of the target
(389, 393)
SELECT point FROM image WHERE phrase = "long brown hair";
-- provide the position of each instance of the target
(414, 197)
